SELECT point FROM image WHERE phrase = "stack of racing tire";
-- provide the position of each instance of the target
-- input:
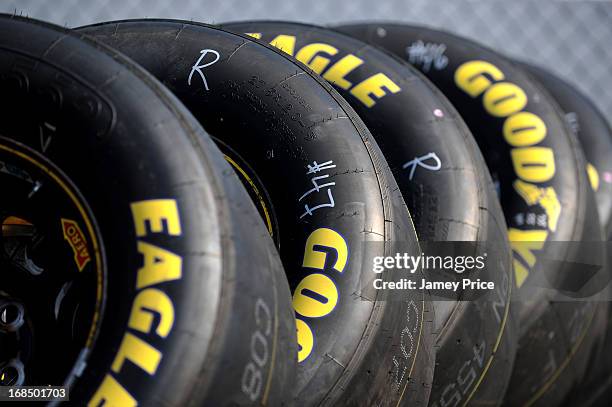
(191, 215)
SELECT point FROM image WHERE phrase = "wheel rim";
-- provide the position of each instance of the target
(53, 273)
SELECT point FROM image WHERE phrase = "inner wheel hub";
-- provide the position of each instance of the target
(51, 272)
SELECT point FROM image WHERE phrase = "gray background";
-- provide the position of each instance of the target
(573, 38)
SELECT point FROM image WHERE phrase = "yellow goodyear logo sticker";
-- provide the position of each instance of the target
(152, 311)
(76, 239)
(533, 164)
(317, 57)
(316, 296)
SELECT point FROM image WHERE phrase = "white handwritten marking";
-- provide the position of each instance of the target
(428, 55)
(316, 167)
(330, 204)
(313, 169)
(198, 68)
(317, 187)
(420, 161)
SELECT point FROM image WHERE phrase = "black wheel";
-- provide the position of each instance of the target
(326, 194)
(543, 189)
(435, 160)
(120, 237)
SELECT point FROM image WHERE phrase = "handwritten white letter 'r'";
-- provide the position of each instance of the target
(198, 68)
(420, 161)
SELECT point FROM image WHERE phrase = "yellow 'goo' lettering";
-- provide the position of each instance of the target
(317, 295)
(305, 339)
(473, 77)
(504, 98)
(325, 300)
(328, 238)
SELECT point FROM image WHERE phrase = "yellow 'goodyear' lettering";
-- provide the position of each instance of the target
(317, 295)
(532, 164)
(593, 176)
(159, 266)
(317, 57)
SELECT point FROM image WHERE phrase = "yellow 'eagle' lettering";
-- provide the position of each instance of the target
(138, 352)
(285, 43)
(159, 265)
(336, 74)
(374, 85)
(309, 55)
(112, 394)
(156, 212)
(315, 56)
(149, 301)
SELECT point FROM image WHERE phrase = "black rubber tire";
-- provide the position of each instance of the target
(595, 136)
(554, 335)
(122, 155)
(295, 119)
(593, 132)
(410, 121)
